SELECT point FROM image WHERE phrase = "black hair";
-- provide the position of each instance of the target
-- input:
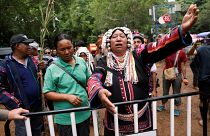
(139, 37)
(119, 30)
(61, 37)
(81, 44)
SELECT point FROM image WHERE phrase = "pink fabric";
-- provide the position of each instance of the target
(35, 59)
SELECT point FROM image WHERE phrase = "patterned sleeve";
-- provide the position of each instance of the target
(6, 95)
(95, 83)
(168, 44)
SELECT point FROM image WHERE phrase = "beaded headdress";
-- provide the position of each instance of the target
(128, 64)
(108, 34)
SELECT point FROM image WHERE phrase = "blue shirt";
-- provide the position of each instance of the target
(202, 59)
(29, 83)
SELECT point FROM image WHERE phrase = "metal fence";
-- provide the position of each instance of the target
(135, 107)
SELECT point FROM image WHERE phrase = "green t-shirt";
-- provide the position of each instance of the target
(59, 81)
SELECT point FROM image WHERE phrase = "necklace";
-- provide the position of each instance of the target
(119, 63)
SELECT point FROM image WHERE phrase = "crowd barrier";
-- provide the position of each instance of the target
(135, 106)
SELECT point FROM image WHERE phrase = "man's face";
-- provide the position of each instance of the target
(137, 42)
(33, 51)
(23, 48)
(54, 52)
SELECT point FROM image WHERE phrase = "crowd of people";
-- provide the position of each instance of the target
(123, 70)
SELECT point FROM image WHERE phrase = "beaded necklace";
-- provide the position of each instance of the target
(119, 63)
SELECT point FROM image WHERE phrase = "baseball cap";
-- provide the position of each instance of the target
(34, 45)
(20, 38)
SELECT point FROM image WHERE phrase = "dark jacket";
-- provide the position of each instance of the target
(11, 95)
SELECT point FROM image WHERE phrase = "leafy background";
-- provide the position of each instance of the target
(86, 19)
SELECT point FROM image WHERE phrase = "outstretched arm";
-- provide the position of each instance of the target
(178, 38)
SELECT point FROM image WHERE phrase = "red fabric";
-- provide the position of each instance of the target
(169, 61)
(164, 41)
(140, 48)
(94, 85)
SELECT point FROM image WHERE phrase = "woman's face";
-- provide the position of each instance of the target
(118, 43)
(84, 56)
(65, 50)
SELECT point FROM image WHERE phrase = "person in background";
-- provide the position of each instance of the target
(202, 58)
(47, 58)
(34, 52)
(19, 86)
(175, 83)
(80, 43)
(100, 53)
(54, 54)
(138, 41)
(192, 52)
(14, 114)
(65, 84)
(84, 53)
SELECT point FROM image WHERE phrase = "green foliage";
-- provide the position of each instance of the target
(85, 19)
(131, 13)
(203, 20)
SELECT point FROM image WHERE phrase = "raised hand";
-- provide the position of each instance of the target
(190, 18)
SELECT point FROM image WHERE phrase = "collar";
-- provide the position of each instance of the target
(13, 59)
(63, 63)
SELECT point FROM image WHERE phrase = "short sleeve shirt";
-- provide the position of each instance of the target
(59, 81)
(170, 60)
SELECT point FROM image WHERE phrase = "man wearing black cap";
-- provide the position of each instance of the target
(19, 85)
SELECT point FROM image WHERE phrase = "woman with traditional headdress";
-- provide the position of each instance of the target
(123, 75)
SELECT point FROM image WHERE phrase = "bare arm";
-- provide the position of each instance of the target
(192, 50)
(183, 68)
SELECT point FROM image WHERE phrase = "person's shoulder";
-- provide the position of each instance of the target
(202, 48)
(182, 52)
(4, 61)
(53, 65)
(79, 60)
